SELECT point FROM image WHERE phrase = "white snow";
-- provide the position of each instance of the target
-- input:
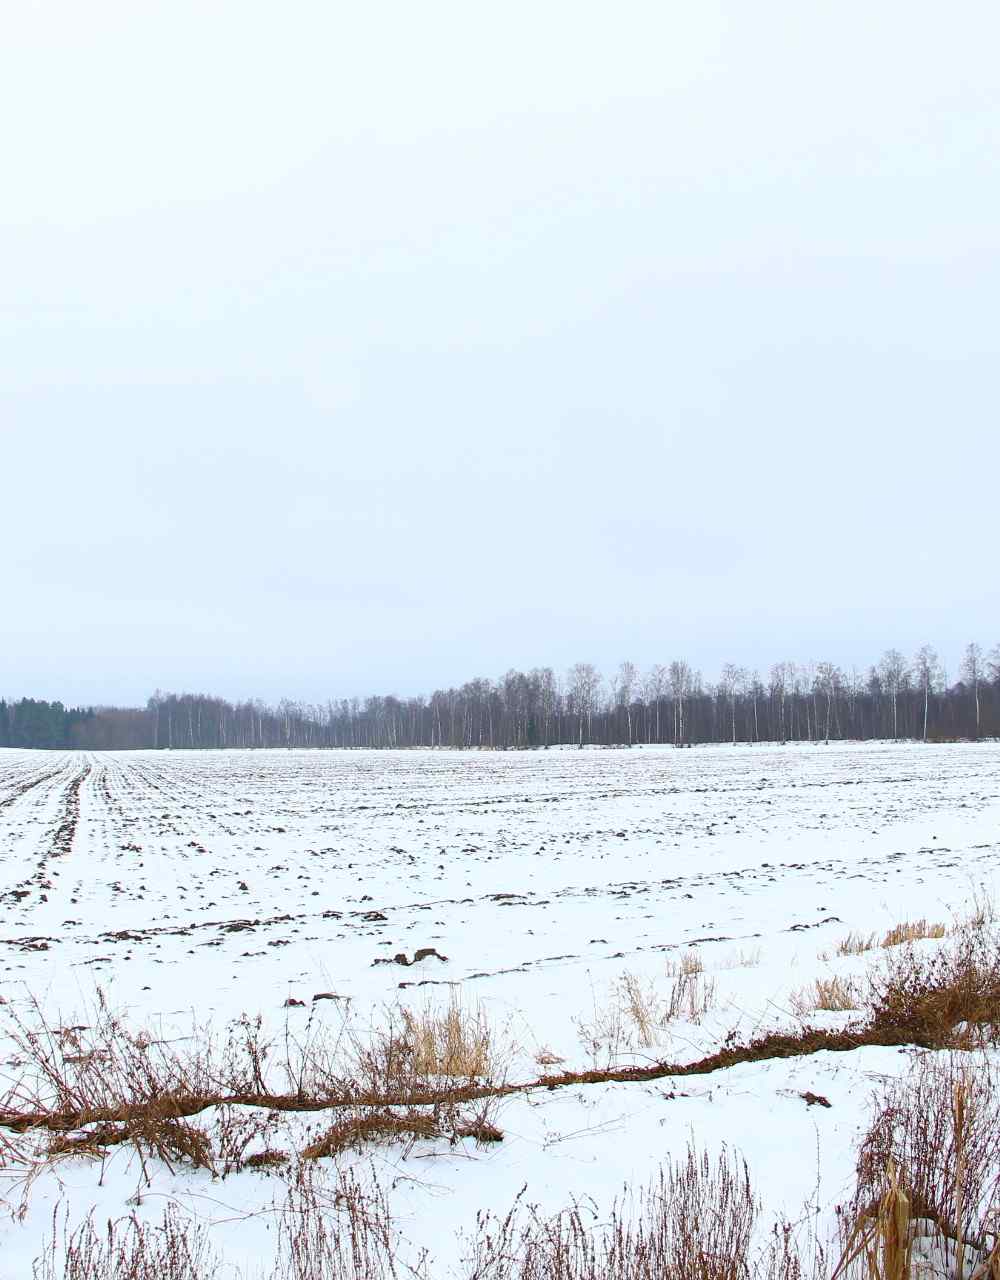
(199, 886)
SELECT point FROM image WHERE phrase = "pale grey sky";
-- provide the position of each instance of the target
(370, 347)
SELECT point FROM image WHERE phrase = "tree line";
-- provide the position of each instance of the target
(898, 697)
(34, 723)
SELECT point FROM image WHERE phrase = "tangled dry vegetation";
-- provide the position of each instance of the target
(925, 1205)
(90, 1087)
(949, 997)
(696, 1220)
(837, 995)
(927, 1195)
(425, 1074)
(932, 999)
(338, 1231)
(927, 1188)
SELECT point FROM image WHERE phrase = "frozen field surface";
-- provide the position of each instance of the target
(199, 886)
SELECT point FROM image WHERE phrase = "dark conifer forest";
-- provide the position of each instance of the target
(816, 702)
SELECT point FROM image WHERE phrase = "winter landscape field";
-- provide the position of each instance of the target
(547, 939)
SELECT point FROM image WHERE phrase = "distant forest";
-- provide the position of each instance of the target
(815, 702)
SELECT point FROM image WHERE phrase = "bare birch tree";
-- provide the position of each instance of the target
(828, 680)
(584, 688)
(732, 677)
(680, 680)
(893, 671)
(623, 689)
(972, 673)
(993, 664)
(927, 667)
(654, 690)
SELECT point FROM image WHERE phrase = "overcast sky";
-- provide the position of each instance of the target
(372, 347)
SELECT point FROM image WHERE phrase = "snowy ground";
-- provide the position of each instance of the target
(199, 886)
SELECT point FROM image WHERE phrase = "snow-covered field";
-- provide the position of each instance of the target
(195, 887)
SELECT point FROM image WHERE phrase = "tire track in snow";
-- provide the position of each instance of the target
(60, 842)
(35, 780)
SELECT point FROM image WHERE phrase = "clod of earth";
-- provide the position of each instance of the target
(422, 953)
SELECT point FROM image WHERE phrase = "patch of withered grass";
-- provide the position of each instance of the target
(980, 913)
(169, 1140)
(267, 1159)
(639, 1011)
(108, 1084)
(642, 1006)
(103, 1082)
(695, 1221)
(341, 1230)
(422, 1056)
(335, 1231)
(456, 1044)
(930, 999)
(129, 1249)
(691, 993)
(927, 1190)
(937, 1128)
(104, 1070)
(855, 944)
(913, 931)
(152, 1133)
(879, 1242)
(949, 998)
(834, 995)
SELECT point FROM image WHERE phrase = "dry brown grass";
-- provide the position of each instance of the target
(913, 931)
(980, 912)
(950, 996)
(420, 1076)
(927, 1173)
(855, 944)
(102, 1083)
(175, 1142)
(927, 1189)
(643, 1007)
(337, 1231)
(881, 1240)
(170, 1141)
(692, 993)
(129, 1249)
(836, 995)
(631, 1018)
(937, 1129)
(424, 1056)
(342, 1231)
(100, 1069)
(694, 1222)
(638, 1011)
(456, 1044)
